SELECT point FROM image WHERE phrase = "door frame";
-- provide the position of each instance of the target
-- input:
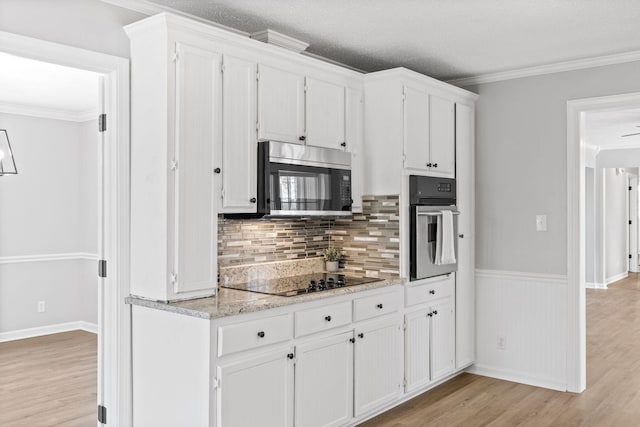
(576, 357)
(116, 395)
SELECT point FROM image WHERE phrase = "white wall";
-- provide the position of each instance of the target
(88, 24)
(616, 247)
(49, 209)
(521, 171)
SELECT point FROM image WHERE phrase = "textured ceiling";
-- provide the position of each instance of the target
(605, 128)
(445, 39)
(30, 83)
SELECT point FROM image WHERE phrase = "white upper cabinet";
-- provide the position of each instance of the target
(416, 128)
(325, 114)
(197, 130)
(239, 140)
(280, 105)
(429, 133)
(442, 142)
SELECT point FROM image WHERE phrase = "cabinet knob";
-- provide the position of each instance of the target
(379, 306)
(360, 335)
(261, 334)
(428, 165)
(302, 138)
(435, 312)
(352, 340)
(432, 292)
(344, 144)
(461, 236)
(435, 165)
(217, 170)
(430, 314)
(290, 355)
(253, 200)
(328, 318)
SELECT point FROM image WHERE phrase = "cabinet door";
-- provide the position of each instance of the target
(378, 364)
(324, 382)
(354, 138)
(198, 130)
(442, 147)
(280, 105)
(416, 128)
(442, 339)
(465, 307)
(239, 142)
(257, 391)
(417, 351)
(325, 114)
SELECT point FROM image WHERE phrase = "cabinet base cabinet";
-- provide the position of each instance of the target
(256, 391)
(378, 365)
(324, 382)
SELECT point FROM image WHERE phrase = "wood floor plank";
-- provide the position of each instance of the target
(612, 397)
(49, 381)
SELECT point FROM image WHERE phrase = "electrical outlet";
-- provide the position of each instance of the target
(501, 342)
(40, 306)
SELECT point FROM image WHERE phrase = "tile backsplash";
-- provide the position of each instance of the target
(370, 240)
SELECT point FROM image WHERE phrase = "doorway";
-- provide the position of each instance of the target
(49, 223)
(577, 153)
(114, 350)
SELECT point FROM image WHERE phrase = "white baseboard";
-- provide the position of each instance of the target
(516, 377)
(594, 285)
(48, 330)
(617, 277)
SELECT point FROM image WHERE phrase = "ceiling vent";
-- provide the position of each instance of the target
(275, 38)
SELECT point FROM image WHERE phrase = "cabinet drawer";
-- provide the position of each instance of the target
(322, 318)
(432, 289)
(376, 305)
(254, 334)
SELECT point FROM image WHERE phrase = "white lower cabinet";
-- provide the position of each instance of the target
(429, 344)
(324, 381)
(378, 364)
(256, 391)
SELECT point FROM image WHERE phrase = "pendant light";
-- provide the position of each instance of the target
(7, 164)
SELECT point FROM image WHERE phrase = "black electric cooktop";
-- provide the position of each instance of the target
(300, 285)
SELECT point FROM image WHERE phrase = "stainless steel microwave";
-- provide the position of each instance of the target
(296, 180)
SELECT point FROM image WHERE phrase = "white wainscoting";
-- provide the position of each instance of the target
(528, 311)
(47, 330)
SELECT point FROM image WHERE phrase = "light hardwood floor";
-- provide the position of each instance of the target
(49, 381)
(612, 397)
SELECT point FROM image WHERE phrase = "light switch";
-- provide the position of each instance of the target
(541, 223)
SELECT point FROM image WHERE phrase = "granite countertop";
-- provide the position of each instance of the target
(231, 302)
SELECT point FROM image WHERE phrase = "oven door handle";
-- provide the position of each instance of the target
(435, 213)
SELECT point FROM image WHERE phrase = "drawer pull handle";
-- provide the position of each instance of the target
(360, 335)
(380, 306)
(328, 318)
(290, 355)
(261, 334)
(432, 292)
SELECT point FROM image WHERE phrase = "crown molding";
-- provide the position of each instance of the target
(48, 113)
(279, 39)
(148, 8)
(559, 67)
